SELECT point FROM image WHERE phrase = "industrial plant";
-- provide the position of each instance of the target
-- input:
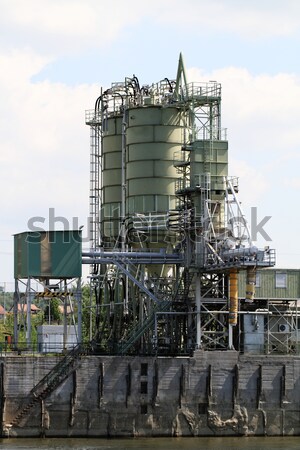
(168, 236)
(189, 329)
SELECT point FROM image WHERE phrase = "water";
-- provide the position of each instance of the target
(215, 443)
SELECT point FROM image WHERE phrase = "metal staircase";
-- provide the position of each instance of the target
(140, 329)
(183, 286)
(180, 296)
(50, 382)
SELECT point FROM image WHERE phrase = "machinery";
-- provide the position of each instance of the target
(167, 233)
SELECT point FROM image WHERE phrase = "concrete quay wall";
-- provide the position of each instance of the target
(208, 394)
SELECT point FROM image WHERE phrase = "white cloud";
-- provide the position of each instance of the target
(44, 146)
(252, 181)
(67, 26)
(252, 19)
(60, 26)
(292, 183)
(19, 66)
(51, 16)
(261, 112)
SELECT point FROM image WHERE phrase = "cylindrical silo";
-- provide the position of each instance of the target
(111, 180)
(153, 135)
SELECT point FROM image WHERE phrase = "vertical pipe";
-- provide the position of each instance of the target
(123, 200)
(123, 180)
(90, 310)
(198, 311)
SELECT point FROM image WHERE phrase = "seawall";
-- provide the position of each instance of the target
(208, 394)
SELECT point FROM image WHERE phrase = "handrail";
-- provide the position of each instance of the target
(49, 382)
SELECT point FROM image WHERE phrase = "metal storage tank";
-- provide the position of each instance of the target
(51, 254)
(111, 178)
(210, 158)
(153, 135)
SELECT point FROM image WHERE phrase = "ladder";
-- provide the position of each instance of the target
(60, 372)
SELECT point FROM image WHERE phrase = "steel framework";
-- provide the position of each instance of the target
(174, 298)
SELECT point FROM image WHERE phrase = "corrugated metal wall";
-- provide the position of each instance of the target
(269, 282)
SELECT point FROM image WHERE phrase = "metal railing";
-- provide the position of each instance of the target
(35, 348)
(203, 89)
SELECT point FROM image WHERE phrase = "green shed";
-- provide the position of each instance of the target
(48, 254)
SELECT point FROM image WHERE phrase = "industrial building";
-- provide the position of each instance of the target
(168, 236)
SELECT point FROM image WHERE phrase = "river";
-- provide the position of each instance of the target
(215, 443)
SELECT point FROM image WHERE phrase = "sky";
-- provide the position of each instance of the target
(55, 55)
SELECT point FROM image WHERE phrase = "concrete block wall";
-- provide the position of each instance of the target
(211, 393)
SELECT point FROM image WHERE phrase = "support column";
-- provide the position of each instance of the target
(79, 309)
(16, 302)
(28, 313)
(65, 316)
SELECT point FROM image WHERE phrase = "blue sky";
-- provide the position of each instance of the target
(56, 54)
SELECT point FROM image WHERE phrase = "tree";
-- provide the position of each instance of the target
(55, 314)
(88, 318)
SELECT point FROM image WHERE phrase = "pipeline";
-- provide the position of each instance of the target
(118, 254)
(250, 284)
(239, 253)
(233, 295)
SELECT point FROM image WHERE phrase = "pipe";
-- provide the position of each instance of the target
(150, 255)
(132, 260)
(233, 295)
(239, 252)
(250, 284)
(123, 180)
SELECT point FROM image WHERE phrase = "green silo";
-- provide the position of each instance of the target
(209, 165)
(111, 179)
(153, 135)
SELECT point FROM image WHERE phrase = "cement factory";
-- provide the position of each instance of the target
(168, 236)
(182, 338)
